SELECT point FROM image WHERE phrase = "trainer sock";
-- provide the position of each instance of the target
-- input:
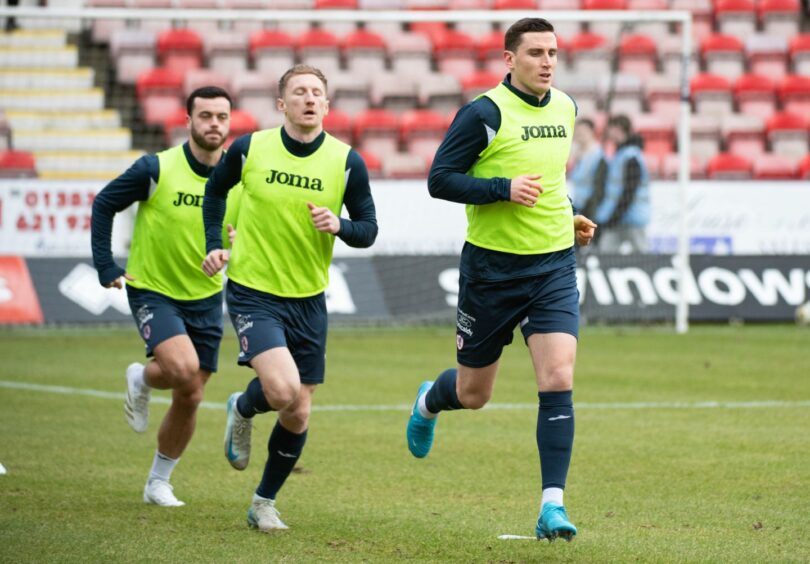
(253, 400)
(284, 449)
(140, 379)
(442, 396)
(162, 467)
(552, 495)
(555, 436)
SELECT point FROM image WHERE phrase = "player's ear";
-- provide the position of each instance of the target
(280, 105)
(509, 59)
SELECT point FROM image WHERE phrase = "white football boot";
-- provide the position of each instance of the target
(264, 516)
(160, 492)
(136, 405)
(237, 435)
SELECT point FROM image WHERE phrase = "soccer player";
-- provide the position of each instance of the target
(178, 310)
(296, 178)
(504, 156)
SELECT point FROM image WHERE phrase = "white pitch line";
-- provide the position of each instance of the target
(65, 390)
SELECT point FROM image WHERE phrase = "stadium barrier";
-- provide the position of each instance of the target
(408, 288)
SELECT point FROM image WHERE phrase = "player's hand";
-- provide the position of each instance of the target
(584, 230)
(525, 190)
(323, 219)
(231, 234)
(215, 261)
(117, 282)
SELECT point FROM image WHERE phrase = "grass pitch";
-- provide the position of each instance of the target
(658, 475)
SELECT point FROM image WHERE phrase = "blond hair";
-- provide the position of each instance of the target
(299, 69)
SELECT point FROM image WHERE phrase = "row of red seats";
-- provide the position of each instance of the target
(725, 166)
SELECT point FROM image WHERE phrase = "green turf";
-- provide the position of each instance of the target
(652, 485)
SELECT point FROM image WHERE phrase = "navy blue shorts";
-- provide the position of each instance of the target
(264, 321)
(488, 312)
(160, 317)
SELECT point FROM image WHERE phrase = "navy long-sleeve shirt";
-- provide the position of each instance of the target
(134, 185)
(360, 230)
(472, 130)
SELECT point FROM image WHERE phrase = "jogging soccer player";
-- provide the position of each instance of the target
(178, 310)
(504, 156)
(296, 178)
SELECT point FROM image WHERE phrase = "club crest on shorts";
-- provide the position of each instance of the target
(459, 342)
(244, 342)
(147, 331)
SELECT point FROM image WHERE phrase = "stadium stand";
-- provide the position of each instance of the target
(749, 78)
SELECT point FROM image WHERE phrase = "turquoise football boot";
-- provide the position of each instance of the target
(553, 522)
(420, 429)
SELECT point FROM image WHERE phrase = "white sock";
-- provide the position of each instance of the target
(257, 497)
(140, 381)
(423, 410)
(162, 467)
(552, 495)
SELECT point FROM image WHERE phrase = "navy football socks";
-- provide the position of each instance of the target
(555, 436)
(442, 396)
(284, 449)
(252, 401)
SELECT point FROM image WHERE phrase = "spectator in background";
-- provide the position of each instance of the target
(624, 212)
(589, 170)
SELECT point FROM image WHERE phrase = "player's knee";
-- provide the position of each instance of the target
(296, 420)
(282, 395)
(190, 396)
(182, 371)
(475, 399)
(559, 378)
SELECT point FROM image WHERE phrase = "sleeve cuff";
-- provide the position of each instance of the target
(110, 274)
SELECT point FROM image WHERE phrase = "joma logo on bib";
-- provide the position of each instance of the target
(294, 180)
(542, 131)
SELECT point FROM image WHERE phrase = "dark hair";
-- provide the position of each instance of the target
(515, 32)
(207, 92)
(587, 122)
(299, 69)
(622, 122)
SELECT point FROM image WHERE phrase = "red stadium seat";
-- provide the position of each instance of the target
(658, 132)
(478, 82)
(804, 168)
(800, 54)
(339, 124)
(514, 5)
(197, 78)
(794, 93)
(490, 52)
(411, 53)
(175, 127)
(755, 95)
(767, 55)
(455, 54)
(377, 129)
(711, 94)
(670, 165)
(160, 94)
(256, 92)
(723, 55)
(590, 53)
(735, 17)
(349, 93)
(373, 164)
(705, 136)
(727, 166)
(226, 51)
(180, 49)
(272, 52)
(702, 15)
(17, 164)
(608, 29)
(439, 92)
(404, 165)
(775, 167)
(663, 94)
(320, 49)
(744, 135)
(421, 132)
(394, 92)
(242, 123)
(788, 134)
(638, 54)
(432, 30)
(365, 52)
(780, 17)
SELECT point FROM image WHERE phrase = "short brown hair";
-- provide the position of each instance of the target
(299, 69)
(514, 34)
(622, 122)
